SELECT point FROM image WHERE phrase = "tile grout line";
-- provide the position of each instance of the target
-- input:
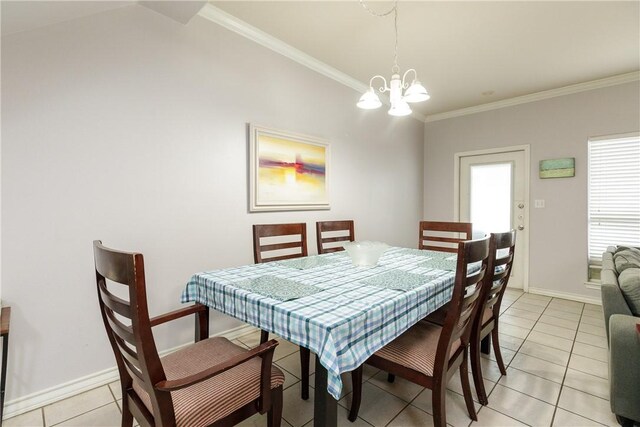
(546, 361)
(507, 366)
(555, 407)
(84, 413)
(582, 391)
(563, 386)
(564, 377)
(496, 382)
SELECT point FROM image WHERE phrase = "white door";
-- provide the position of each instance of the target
(493, 196)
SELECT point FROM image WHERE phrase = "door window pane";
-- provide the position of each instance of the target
(491, 194)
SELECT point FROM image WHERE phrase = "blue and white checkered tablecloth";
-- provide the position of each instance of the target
(343, 324)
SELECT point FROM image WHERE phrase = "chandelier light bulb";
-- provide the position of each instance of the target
(416, 93)
(399, 108)
(369, 100)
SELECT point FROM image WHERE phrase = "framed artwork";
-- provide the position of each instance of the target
(558, 168)
(287, 171)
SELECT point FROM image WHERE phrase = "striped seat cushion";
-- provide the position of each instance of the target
(416, 348)
(217, 397)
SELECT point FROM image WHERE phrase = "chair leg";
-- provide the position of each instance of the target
(127, 416)
(274, 416)
(466, 388)
(356, 380)
(496, 350)
(264, 337)
(485, 345)
(391, 378)
(438, 395)
(476, 370)
(305, 355)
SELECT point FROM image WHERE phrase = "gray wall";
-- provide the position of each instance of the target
(128, 127)
(554, 128)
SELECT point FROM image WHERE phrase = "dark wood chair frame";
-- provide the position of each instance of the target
(271, 230)
(137, 356)
(491, 299)
(439, 226)
(458, 325)
(326, 226)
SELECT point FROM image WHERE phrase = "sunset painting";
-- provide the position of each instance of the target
(289, 172)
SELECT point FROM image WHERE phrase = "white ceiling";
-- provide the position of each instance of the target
(465, 53)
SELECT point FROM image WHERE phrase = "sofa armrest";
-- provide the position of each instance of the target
(624, 372)
(613, 302)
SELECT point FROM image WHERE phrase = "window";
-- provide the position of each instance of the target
(614, 196)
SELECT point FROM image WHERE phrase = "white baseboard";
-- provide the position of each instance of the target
(71, 388)
(565, 295)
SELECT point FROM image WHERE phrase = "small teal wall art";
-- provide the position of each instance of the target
(558, 168)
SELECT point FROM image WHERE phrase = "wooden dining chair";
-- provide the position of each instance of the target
(296, 248)
(292, 248)
(340, 231)
(501, 252)
(211, 382)
(443, 236)
(429, 354)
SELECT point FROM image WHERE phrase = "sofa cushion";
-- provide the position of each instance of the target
(629, 281)
(626, 258)
(626, 248)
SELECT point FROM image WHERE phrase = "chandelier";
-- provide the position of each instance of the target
(401, 93)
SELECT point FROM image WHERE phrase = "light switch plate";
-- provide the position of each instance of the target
(538, 204)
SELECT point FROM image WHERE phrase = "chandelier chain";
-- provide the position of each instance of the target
(394, 10)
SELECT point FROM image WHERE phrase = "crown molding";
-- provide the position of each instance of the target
(538, 96)
(230, 22)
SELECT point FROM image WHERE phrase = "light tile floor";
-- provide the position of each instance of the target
(557, 372)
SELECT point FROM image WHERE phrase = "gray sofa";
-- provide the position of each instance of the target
(620, 279)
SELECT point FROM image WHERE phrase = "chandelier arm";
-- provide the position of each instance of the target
(382, 89)
(405, 84)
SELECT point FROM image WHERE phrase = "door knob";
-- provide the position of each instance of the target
(521, 227)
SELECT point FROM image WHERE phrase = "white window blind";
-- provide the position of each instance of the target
(614, 194)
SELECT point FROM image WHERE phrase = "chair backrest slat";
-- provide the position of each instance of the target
(325, 244)
(119, 329)
(277, 246)
(113, 265)
(465, 300)
(261, 252)
(466, 315)
(133, 371)
(130, 355)
(114, 303)
(443, 236)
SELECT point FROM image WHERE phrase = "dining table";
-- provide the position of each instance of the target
(341, 312)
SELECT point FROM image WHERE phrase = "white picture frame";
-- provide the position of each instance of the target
(287, 171)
